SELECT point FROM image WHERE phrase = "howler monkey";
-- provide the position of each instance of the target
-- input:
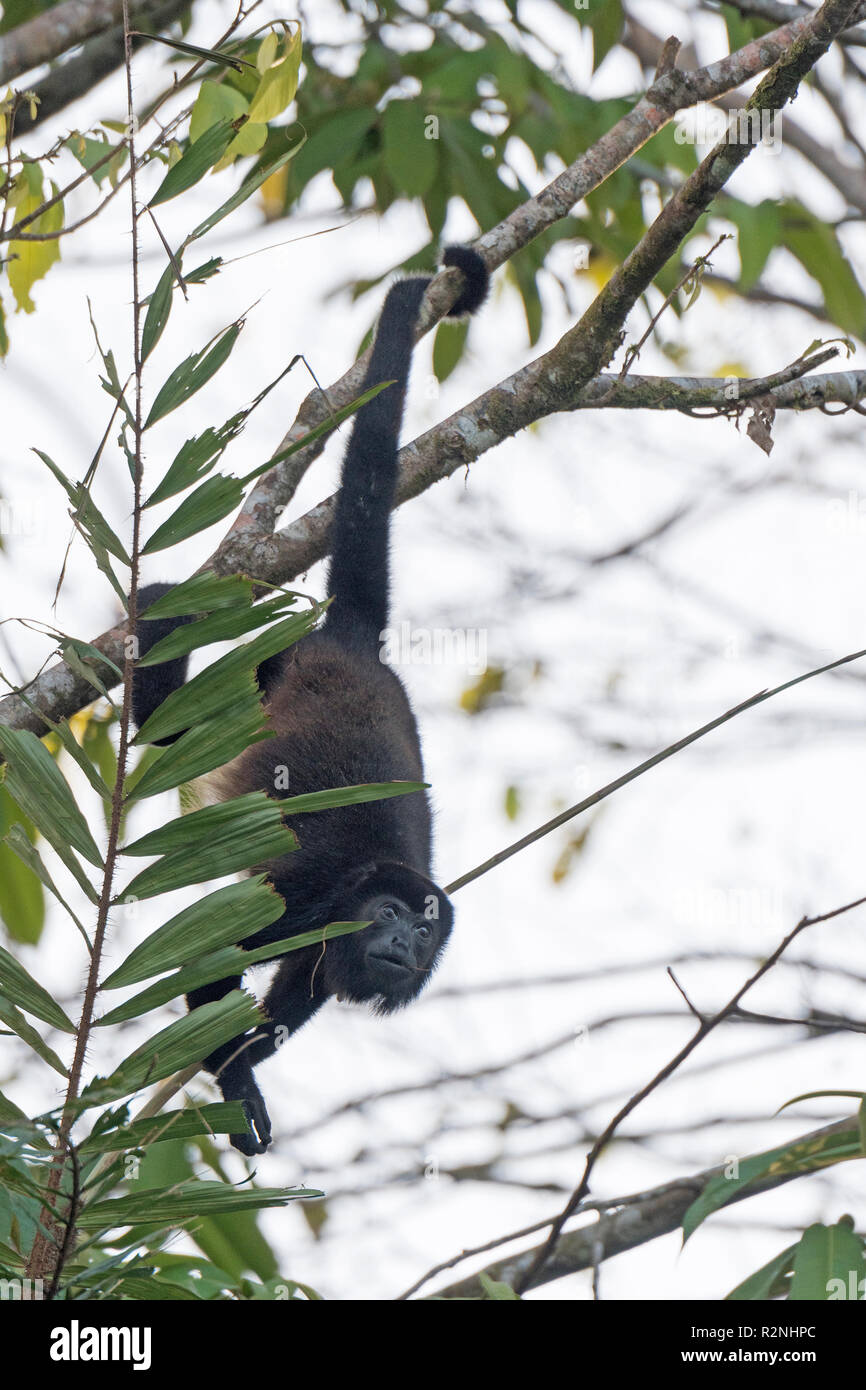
(339, 717)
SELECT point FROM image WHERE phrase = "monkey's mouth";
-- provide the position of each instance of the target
(393, 963)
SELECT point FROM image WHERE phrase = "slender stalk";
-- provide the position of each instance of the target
(50, 1248)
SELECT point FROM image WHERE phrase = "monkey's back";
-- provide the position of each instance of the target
(340, 718)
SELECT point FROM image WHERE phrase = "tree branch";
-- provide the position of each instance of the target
(625, 1223)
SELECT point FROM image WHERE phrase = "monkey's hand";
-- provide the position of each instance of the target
(238, 1083)
(258, 1141)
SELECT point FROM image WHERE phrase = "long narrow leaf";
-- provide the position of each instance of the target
(202, 594)
(15, 1020)
(193, 373)
(245, 191)
(183, 1042)
(222, 918)
(34, 780)
(195, 458)
(216, 498)
(17, 985)
(194, 164)
(229, 623)
(208, 692)
(210, 745)
(179, 1205)
(221, 965)
(218, 1118)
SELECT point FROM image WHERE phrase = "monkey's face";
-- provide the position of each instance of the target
(399, 946)
(390, 961)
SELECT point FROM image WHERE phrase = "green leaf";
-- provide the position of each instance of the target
(221, 839)
(193, 373)
(202, 594)
(606, 22)
(196, 162)
(213, 55)
(158, 311)
(87, 512)
(207, 693)
(22, 901)
(204, 748)
(222, 918)
(218, 1118)
(347, 796)
(215, 499)
(178, 1206)
(15, 1020)
(18, 843)
(215, 102)
(218, 627)
(89, 152)
(195, 458)
(245, 191)
(803, 1157)
(410, 158)
(827, 1255)
(818, 249)
(18, 986)
(221, 965)
(179, 1045)
(36, 783)
(448, 346)
(496, 1290)
(279, 84)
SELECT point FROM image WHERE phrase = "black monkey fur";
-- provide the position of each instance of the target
(340, 717)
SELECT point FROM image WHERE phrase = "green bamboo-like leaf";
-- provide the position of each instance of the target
(221, 965)
(347, 796)
(194, 164)
(178, 1205)
(141, 1288)
(19, 844)
(158, 310)
(212, 744)
(245, 191)
(78, 755)
(15, 1020)
(193, 373)
(80, 656)
(207, 693)
(805, 1156)
(88, 514)
(18, 986)
(312, 435)
(181, 1043)
(36, 783)
(216, 498)
(221, 919)
(22, 902)
(213, 55)
(827, 1255)
(202, 594)
(195, 459)
(247, 821)
(219, 1118)
(218, 627)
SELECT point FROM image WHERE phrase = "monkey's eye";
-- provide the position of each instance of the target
(423, 931)
(388, 912)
